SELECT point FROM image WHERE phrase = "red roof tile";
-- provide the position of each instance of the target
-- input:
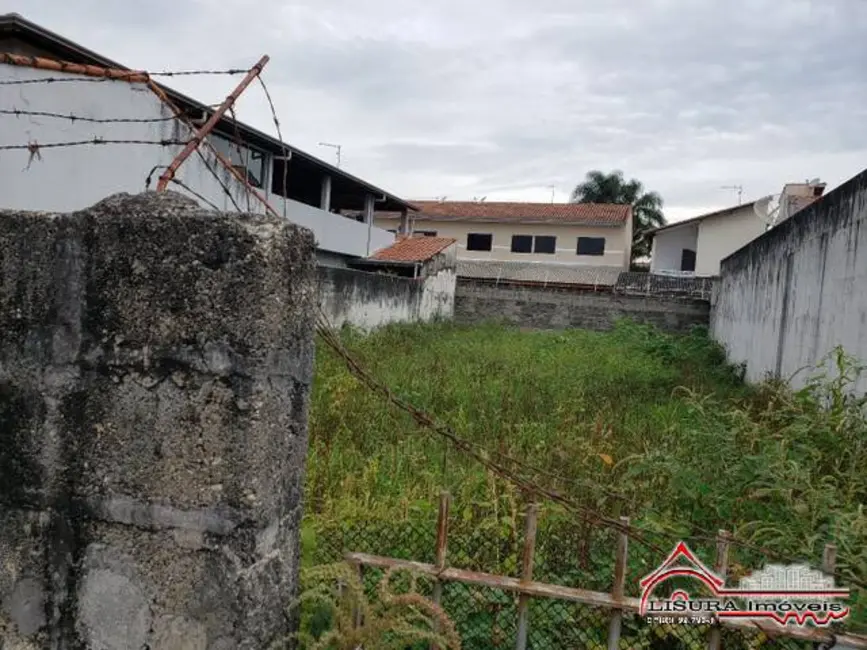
(413, 249)
(565, 213)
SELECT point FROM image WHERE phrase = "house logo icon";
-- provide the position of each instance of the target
(787, 594)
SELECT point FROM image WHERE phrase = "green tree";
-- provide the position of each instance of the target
(599, 187)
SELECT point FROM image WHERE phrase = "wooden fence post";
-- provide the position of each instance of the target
(526, 574)
(829, 559)
(721, 566)
(442, 546)
(619, 587)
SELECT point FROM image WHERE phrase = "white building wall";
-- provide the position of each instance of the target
(668, 247)
(719, 237)
(62, 179)
(786, 300)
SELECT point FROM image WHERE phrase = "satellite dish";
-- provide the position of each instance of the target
(768, 209)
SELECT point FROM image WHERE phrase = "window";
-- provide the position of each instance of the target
(479, 242)
(591, 246)
(425, 233)
(545, 244)
(250, 163)
(687, 260)
(522, 243)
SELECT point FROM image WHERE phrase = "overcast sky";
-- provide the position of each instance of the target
(505, 98)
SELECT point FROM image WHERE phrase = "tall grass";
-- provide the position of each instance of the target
(631, 421)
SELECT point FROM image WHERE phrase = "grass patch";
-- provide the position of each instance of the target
(631, 421)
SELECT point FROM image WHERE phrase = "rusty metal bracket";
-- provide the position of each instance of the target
(208, 126)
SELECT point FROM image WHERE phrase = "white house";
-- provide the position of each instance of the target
(696, 246)
(65, 146)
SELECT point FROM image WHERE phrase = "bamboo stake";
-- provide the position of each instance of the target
(619, 587)
(442, 546)
(527, 574)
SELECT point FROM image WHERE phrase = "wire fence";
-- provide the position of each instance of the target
(567, 553)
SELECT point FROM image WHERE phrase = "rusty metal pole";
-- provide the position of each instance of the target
(619, 588)
(526, 574)
(442, 547)
(208, 126)
(721, 567)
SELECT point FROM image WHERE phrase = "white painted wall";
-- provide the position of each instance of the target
(719, 237)
(786, 300)
(72, 178)
(668, 247)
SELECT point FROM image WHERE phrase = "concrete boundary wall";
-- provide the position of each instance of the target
(549, 308)
(788, 298)
(155, 365)
(370, 300)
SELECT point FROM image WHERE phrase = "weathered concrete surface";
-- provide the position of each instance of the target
(548, 308)
(155, 363)
(788, 298)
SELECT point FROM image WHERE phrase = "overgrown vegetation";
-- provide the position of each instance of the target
(632, 422)
(338, 614)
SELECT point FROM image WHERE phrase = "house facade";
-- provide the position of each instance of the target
(696, 246)
(598, 235)
(125, 133)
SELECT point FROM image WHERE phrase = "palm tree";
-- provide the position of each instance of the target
(599, 187)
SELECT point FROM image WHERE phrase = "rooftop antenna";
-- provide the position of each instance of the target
(767, 209)
(553, 190)
(333, 146)
(738, 188)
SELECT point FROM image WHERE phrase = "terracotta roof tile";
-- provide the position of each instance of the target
(413, 249)
(566, 213)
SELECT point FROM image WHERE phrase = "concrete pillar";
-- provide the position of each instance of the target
(325, 200)
(155, 366)
(403, 228)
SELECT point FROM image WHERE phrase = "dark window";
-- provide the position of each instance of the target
(591, 246)
(479, 242)
(522, 243)
(545, 244)
(425, 233)
(687, 260)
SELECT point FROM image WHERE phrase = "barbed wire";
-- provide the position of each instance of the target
(17, 112)
(131, 73)
(37, 146)
(279, 137)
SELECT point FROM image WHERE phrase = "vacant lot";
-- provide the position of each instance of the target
(630, 422)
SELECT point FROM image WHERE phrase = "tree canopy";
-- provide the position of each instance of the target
(599, 187)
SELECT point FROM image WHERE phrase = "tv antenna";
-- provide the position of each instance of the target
(738, 188)
(553, 188)
(333, 146)
(767, 209)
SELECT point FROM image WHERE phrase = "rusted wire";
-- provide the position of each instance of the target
(17, 112)
(135, 76)
(189, 189)
(282, 142)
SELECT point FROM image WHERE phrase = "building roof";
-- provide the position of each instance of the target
(413, 249)
(716, 213)
(346, 188)
(538, 273)
(595, 214)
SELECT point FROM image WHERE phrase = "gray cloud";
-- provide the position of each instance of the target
(505, 97)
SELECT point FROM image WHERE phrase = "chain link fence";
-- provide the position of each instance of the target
(569, 553)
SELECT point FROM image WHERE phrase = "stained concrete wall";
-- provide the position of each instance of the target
(155, 365)
(548, 308)
(788, 298)
(368, 300)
